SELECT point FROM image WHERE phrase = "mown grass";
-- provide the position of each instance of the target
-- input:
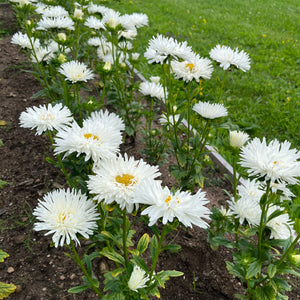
(263, 101)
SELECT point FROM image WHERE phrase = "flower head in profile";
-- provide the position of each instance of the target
(98, 138)
(210, 110)
(237, 139)
(281, 226)
(111, 18)
(116, 179)
(226, 57)
(66, 214)
(53, 11)
(23, 40)
(195, 68)
(45, 118)
(133, 21)
(59, 22)
(138, 279)
(162, 203)
(274, 161)
(154, 90)
(94, 23)
(160, 48)
(76, 71)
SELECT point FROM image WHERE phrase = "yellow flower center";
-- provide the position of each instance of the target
(168, 199)
(90, 135)
(125, 179)
(47, 117)
(275, 162)
(190, 66)
(62, 217)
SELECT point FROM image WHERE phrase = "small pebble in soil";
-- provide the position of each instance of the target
(72, 276)
(62, 277)
(10, 270)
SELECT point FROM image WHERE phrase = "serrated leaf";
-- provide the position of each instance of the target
(3, 255)
(253, 269)
(143, 243)
(78, 289)
(235, 270)
(265, 293)
(6, 289)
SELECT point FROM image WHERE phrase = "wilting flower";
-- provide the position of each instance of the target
(116, 179)
(275, 162)
(161, 47)
(280, 226)
(237, 139)
(195, 68)
(138, 279)
(44, 118)
(226, 57)
(23, 40)
(60, 22)
(187, 208)
(97, 138)
(66, 214)
(94, 23)
(76, 71)
(152, 89)
(210, 110)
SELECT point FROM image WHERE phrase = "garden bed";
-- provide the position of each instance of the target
(43, 272)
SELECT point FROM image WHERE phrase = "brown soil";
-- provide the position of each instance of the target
(42, 272)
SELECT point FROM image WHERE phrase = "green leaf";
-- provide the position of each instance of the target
(78, 289)
(275, 214)
(6, 289)
(2, 183)
(271, 270)
(163, 276)
(263, 199)
(3, 255)
(114, 256)
(173, 248)
(297, 225)
(235, 270)
(253, 269)
(143, 243)
(137, 260)
(114, 296)
(153, 246)
(265, 293)
(39, 94)
(220, 240)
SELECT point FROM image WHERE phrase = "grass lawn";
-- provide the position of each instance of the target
(263, 101)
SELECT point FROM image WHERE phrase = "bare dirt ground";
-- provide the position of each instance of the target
(43, 272)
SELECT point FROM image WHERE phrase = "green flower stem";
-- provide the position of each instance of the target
(125, 235)
(287, 252)
(81, 265)
(158, 250)
(236, 221)
(77, 99)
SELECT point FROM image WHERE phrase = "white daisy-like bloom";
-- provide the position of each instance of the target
(22, 2)
(78, 13)
(110, 119)
(225, 211)
(66, 214)
(76, 71)
(96, 9)
(96, 41)
(187, 208)
(116, 180)
(282, 189)
(237, 139)
(45, 118)
(42, 54)
(97, 139)
(195, 68)
(94, 23)
(125, 45)
(275, 162)
(104, 49)
(129, 34)
(135, 20)
(111, 18)
(155, 79)
(164, 121)
(53, 11)
(138, 279)
(161, 47)
(281, 226)
(226, 57)
(210, 110)
(135, 56)
(154, 90)
(60, 22)
(23, 40)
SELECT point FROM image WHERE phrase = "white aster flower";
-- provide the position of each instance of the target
(78, 13)
(129, 34)
(97, 9)
(155, 79)
(226, 57)
(96, 41)
(187, 208)
(116, 179)
(23, 40)
(97, 139)
(153, 89)
(135, 56)
(60, 22)
(195, 68)
(275, 162)
(125, 45)
(225, 211)
(237, 139)
(135, 20)
(42, 54)
(280, 226)
(111, 18)
(210, 110)
(76, 71)
(94, 23)
(172, 119)
(53, 11)
(44, 118)
(66, 214)
(282, 189)
(161, 47)
(138, 279)
(104, 49)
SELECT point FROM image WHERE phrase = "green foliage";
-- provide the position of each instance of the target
(5, 288)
